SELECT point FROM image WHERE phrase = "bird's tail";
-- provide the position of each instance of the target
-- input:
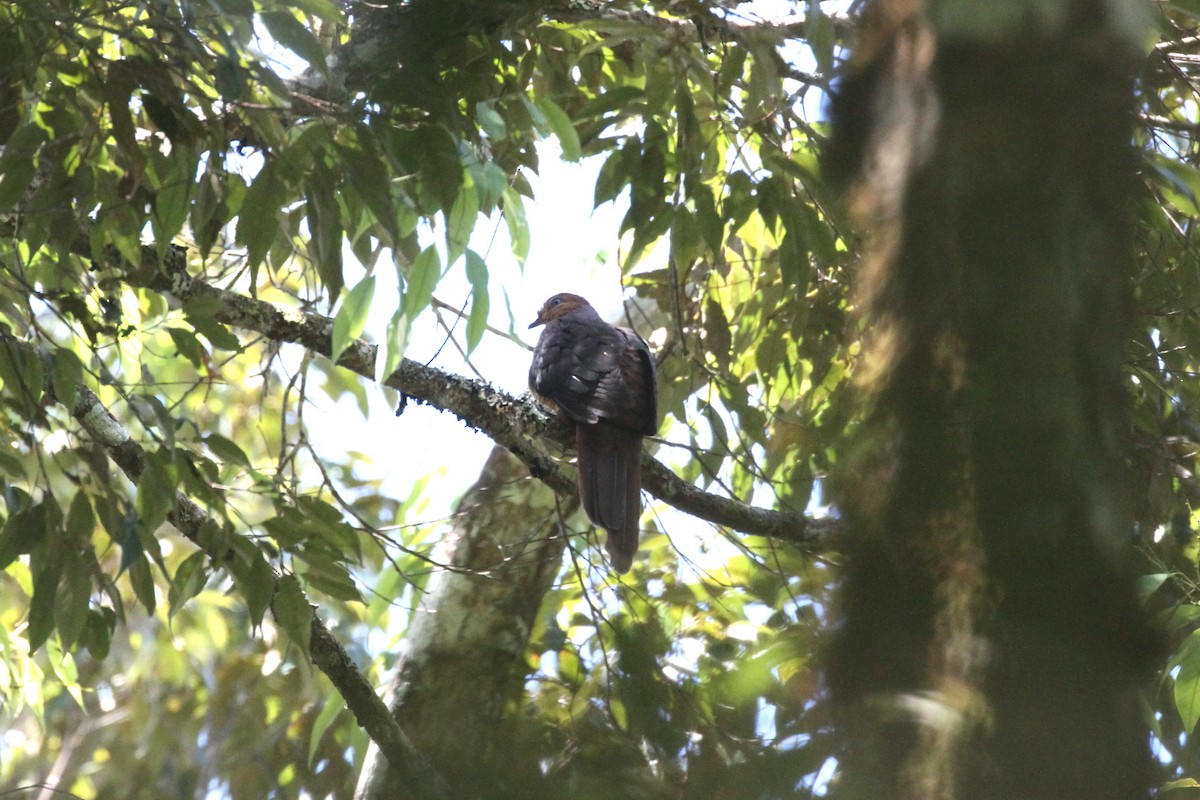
(610, 485)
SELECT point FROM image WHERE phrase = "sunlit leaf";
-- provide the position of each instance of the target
(255, 581)
(43, 603)
(561, 124)
(1187, 689)
(288, 31)
(188, 580)
(351, 318)
(518, 227)
(461, 222)
(422, 278)
(397, 338)
(256, 231)
(490, 120)
(329, 712)
(477, 274)
(66, 374)
(226, 449)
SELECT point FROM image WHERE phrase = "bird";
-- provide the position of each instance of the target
(602, 378)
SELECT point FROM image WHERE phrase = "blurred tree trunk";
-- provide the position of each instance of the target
(992, 644)
(462, 659)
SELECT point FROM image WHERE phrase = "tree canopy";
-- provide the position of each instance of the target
(203, 587)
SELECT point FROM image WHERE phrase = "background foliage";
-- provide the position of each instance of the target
(133, 664)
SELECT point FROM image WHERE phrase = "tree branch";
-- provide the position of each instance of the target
(326, 651)
(704, 19)
(514, 423)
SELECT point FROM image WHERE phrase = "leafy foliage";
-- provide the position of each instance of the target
(131, 130)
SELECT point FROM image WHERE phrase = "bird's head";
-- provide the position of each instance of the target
(557, 306)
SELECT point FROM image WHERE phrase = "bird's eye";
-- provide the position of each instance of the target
(556, 301)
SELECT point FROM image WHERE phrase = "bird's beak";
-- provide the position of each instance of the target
(538, 321)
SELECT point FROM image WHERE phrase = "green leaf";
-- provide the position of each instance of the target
(23, 375)
(331, 578)
(329, 713)
(189, 579)
(236, 8)
(560, 123)
(255, 580)
(202, 321)
(156, 491)
(120, 226)
(611, 178)
(477, 274)
(712, 228)
(1180, 183)
(171, 205)
(24, 531)
(187, 345)
(387, 588)
(351, 318)
(612, 100)
(489, 183)
(490, 120)
(518, 227)
(1187, 690)
(143, 583)
(325, 228)
(226, 450)
(292, 611)
(438, 162)
(461, 222)
(66, 374)
(422, 278)
(209, 213)
(42, 605)
(258, 225)
(97, 635)
(12, 466)
(685, 236)
(1183, 789)
(63, 665)
(1148, 584)
(397, 339)
(81, 522)
(321, 8)
(230, 77)
(292, 34)
(537, 116)
(362, 162)
(73, 600)
(16, 174)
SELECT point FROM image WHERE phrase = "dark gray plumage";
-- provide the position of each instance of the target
(601, 377)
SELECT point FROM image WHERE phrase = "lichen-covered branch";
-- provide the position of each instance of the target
(512, 422)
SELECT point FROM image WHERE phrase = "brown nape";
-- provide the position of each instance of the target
(558, 306)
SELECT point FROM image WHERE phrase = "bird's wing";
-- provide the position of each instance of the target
(577, 366)
(641, 382)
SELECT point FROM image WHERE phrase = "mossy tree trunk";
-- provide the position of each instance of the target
(993, 645)
(462, 658)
